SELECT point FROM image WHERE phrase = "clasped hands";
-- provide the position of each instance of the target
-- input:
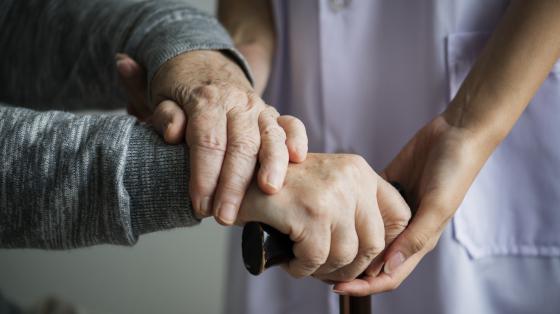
(350, 226)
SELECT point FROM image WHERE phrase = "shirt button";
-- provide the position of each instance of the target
(339, 5)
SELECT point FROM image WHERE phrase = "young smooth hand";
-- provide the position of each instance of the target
(435, 168)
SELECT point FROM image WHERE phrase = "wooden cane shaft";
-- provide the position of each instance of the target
(354, 305)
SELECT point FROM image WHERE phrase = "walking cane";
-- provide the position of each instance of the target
(263, 247)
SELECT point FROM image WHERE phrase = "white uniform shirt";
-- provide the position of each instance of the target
(364, 76)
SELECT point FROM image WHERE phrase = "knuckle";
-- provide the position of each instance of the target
(239, 100)
(392, 230)
(314, 259)
(209, 92)
(353, 164)
(245, 146)
(319, 212)
(181, 92)
(271, 112)
(371, 251)
(234, 188)
(397, 224)
(272, 132)
(419, 242)
(211, 142)
(340, 260)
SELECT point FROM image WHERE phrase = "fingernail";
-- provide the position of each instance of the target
(338, 291)
(393, 262)
(273, 181)
(205, 206)
(227, 212)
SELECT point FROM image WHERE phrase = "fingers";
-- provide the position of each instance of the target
(370, 232)
(170, 122)
(243, 142)
(395, 212)
(419, 237)
(383, 282)
(207, 140)
(133, 78)
(273, 154)
(310, 253)
(402, 256)
(343, 250)
(296, 137)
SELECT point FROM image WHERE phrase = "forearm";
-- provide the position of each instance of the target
(63, 55)
(512, 66)
(251, 26)
(78, 180)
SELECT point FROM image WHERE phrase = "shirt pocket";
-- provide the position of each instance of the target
(513, 206)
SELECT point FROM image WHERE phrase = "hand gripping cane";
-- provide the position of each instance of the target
(263, 247)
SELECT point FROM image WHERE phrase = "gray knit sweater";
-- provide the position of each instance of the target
(69, 180)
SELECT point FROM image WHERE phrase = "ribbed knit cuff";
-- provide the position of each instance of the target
(182, 32)
(156, 179)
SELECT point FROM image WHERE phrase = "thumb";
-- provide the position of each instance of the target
(395, 212)
(418, 238)
(170, 121)
(132, 77)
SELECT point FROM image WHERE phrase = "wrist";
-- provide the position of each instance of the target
(248, 23)
(259, 59)
(179, 76)
(478, 117)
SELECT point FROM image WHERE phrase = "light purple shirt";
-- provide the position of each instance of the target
(364, 76)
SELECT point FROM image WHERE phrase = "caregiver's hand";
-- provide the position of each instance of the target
(205, 98)
(338, 212)
(435, 169)
(441, 161)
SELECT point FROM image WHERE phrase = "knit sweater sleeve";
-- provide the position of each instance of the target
(71, 180)
(60, 54)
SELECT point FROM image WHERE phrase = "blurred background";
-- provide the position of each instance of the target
(177, 271)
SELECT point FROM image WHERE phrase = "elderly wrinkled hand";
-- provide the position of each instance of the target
(337, 210)
(205, 98)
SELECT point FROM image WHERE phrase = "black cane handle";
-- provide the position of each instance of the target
(263, 247)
